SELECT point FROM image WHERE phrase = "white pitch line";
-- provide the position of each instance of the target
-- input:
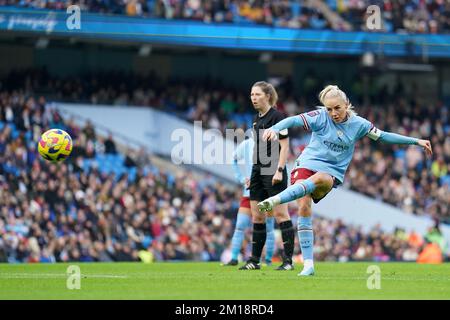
(55, 275)
(381, 277)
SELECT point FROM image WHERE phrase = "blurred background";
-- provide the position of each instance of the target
(121, 75)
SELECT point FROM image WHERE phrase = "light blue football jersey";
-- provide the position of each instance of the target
(244, 155)
(331, 147)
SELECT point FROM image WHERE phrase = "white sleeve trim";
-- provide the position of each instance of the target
(284, 132)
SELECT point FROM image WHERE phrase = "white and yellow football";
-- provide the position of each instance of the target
(55, 145)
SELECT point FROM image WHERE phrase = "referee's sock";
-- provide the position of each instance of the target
(294, 192)
(258, 241)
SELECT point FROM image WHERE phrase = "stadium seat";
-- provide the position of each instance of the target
(400, 154)
(100, 157)
(132, 174)
(295, 7)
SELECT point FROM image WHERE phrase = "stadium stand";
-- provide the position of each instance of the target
(80, 211)
(412, 16)
(127, 208)
(406, 169)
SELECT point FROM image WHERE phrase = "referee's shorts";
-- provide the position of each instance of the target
(261, 186)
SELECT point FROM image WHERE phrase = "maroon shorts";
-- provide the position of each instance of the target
(303, 173)
(245, 202)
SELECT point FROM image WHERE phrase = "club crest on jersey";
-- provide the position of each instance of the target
(340, 134)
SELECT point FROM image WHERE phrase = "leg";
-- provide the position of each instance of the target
(242, 223)
(257, 192)
(287, 234)
(270, 240)
(319, 181)
(306, 234)
(258, 238)
(284, 220)
(305, 228)
(259, 231)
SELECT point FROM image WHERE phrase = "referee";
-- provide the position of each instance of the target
(269, 176)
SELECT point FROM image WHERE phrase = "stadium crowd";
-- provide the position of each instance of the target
(413, 16)
(421, 185)
(64, 212)
(70, 212)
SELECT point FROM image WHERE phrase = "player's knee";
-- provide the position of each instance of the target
(323, 179)
(280, 213)
(259, 218)
(282, 218)
(304, 210)
(304, 206)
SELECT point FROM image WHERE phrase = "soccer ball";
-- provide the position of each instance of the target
(55, 145)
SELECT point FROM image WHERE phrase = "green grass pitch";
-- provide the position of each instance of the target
(210, 281)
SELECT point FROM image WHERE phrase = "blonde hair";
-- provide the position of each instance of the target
(332, 91)
(269, 89)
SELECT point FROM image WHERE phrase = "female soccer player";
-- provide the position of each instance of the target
(322, 165)
(269, 176)
(244, 152)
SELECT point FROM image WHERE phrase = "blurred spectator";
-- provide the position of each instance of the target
(431, 253)
(110, 145)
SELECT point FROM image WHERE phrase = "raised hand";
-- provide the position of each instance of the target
(270, 135)
(426, 146)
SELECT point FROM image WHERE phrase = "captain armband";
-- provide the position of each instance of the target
(374, 133)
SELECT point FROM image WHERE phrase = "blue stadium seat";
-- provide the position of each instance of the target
(249, 119)
(15, 133)
(100, 157)
(132, 172)
(155, 171)
(118, 170)
(332, 4)
(388, 26)
(86, 165)
(119, 159)
(170, 179)
(147, 241)
(295, 7)
(28, 136)
(400, 154)
(445, 180)
(447, 129)
(105, 169)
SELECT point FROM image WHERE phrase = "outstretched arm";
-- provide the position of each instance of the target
(394, 138)
(272, 133)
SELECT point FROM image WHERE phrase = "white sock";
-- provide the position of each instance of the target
(308, 263)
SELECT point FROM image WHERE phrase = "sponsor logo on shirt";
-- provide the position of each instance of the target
(336, 147)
